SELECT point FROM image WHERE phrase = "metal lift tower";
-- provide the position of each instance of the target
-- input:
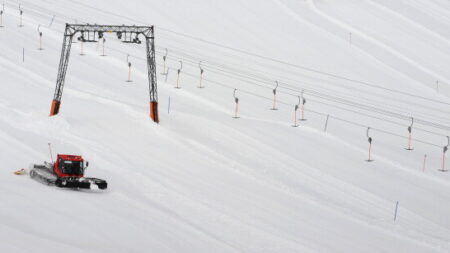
(91, 33)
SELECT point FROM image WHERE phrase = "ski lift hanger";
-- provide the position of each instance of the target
(120, 30)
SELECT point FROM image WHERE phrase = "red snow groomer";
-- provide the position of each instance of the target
(66, 172)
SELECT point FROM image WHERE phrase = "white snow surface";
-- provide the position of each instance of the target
(202, 181)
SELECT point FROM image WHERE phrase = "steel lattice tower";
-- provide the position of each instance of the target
(128, 34)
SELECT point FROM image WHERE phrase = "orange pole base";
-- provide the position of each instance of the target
(55, 107)
(154, 111)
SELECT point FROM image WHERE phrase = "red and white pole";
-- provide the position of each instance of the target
(178, 79)
(303, 107)
(295, 112)
(274, 91)
(295, 116)
(40, 41)
(443, 159)
(424, 163)
(443, 154)
(129, 72)
(201, 74)
(1, 18)
(410, 135)
(236, 101)
(369, 139)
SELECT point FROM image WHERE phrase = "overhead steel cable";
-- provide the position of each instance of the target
(341, 101)
(312, 111)
(267, 80)
(432, 124)
(312, 70)
(285, 85)
(295, 95)
(316, 112)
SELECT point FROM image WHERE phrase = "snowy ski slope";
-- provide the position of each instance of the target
(201, 181)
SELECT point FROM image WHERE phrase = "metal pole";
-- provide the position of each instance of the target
(201, 74)
(51, 22)
(81, 45)
(201, 79)
(168, 107)
(164, 64)
(303, 107)
(443, 163)
(274, 91)
(1, 15)
(410, 134)
(396, 209)
(295, 112)
(178, 73)
(303, 113)
(164, 68)
(295, 118)
(178, 78)
(129, 73)
(443, 154)
(236, 101)
(274, 102)
(50, 150)
(424, 162)
(369, 139)
(326, 124)
(409, 142)
(21, 12)
(167, 74)
(103, 47)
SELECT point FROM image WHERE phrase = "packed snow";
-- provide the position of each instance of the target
(203, 181)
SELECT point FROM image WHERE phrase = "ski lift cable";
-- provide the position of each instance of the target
(310, 90)
(345, 109)
(344, 120)
(350, 80)
(360, 106)
(324, 114)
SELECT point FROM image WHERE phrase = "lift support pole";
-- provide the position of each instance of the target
(89, 33)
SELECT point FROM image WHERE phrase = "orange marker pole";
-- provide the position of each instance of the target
(55, 107)
(154, 111)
